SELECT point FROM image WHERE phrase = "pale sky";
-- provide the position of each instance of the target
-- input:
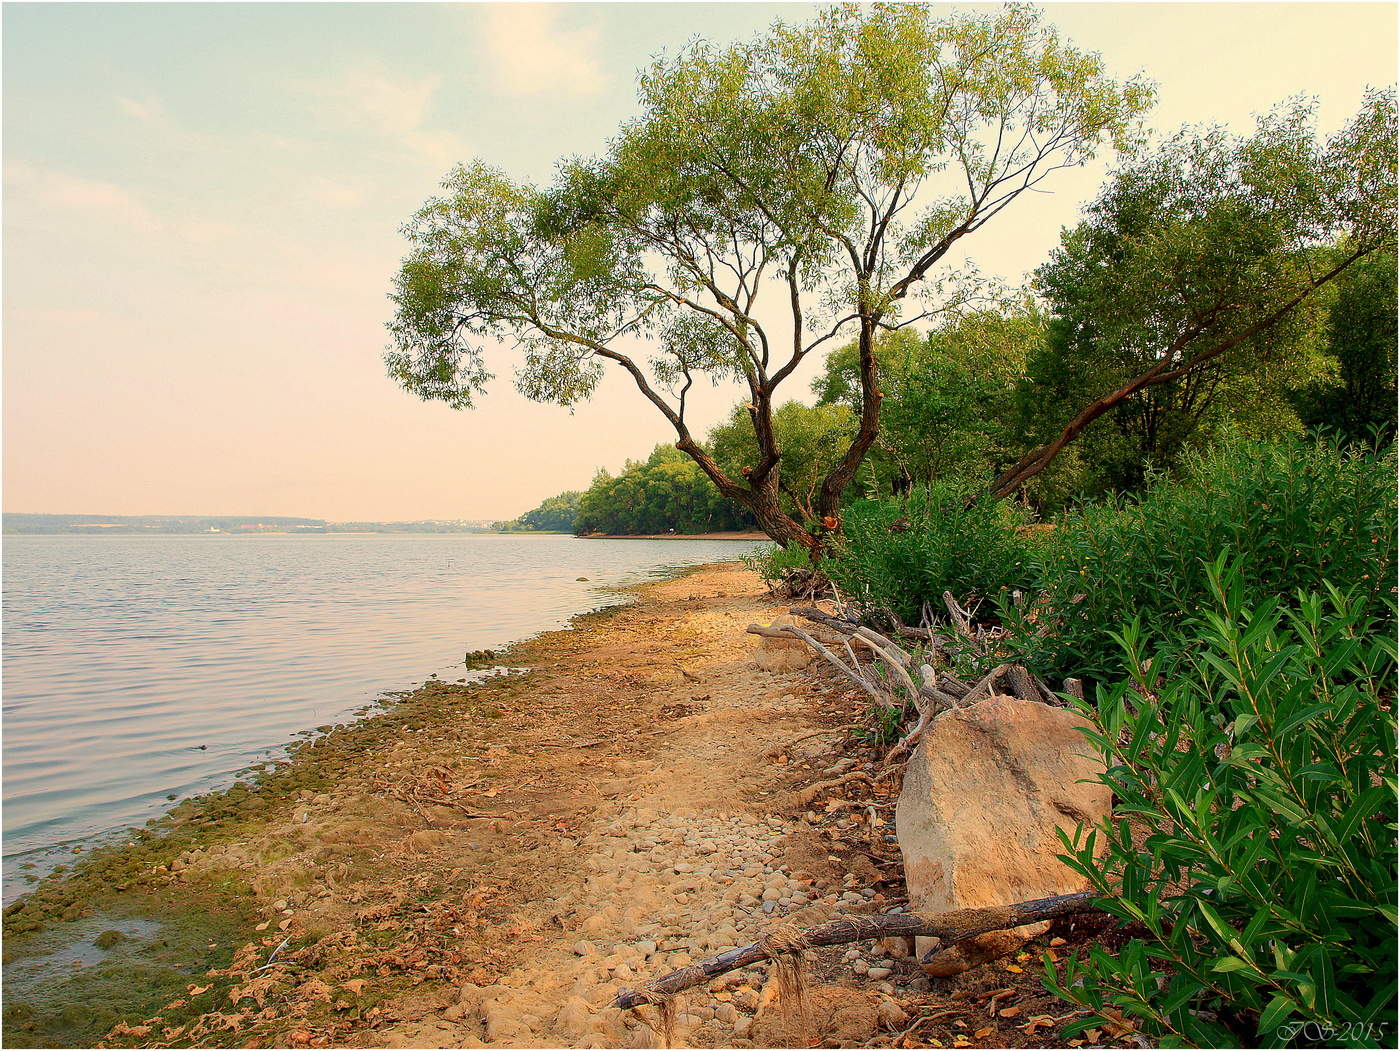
(202, 203)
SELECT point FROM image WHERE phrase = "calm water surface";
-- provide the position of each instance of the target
(136, 668)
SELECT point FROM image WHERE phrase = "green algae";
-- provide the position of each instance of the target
(66, 986)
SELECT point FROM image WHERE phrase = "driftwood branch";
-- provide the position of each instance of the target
(948, 927)
(793, 632)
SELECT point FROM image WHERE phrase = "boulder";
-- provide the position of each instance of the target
(782, 654)
(984, 794)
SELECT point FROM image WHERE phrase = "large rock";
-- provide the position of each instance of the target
(984, 793)
(782, 654)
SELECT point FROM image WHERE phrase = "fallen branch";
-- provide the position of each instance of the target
(948, 927)
(985, 683)
(961, 619)
(792, 631)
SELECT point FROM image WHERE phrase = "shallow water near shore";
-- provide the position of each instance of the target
(144, 669)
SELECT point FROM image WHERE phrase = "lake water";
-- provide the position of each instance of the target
(136, 668)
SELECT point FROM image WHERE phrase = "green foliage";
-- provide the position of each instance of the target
(1200, 262)
(1293, 513)
(950, 395)
(773, 563)
(1257, 754)
(901, 554)
(554, 515)
(665, 492)
(1360, 399)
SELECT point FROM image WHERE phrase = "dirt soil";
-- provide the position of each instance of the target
(488, 864)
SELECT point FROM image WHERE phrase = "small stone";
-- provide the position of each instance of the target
(582, 948)
(879, 972)
(891, 1015)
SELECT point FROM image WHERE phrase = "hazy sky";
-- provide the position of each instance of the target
(201, 212)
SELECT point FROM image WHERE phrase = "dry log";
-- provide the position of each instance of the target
(781, 632)
(895, 657)
(948, 927)
(1023, 685)
(817, 616)
(951, 686)
(985, 684)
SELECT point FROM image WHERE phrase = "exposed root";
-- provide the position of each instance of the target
(778, 750)
(809, 795)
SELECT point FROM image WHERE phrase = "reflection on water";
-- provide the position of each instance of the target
(141, 668)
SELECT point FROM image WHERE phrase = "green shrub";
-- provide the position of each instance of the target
(1293, 514)
(900, 554)
(1254, 851)
(772, 563)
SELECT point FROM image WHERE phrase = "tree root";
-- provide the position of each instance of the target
(948, 927)
(778, 750)
(807, 796)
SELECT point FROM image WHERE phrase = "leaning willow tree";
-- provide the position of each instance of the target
(772, 197)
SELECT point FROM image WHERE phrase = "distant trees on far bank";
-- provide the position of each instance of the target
(554, 515)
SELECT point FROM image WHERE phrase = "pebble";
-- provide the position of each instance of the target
(878, 972)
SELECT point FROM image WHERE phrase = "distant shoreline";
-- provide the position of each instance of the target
(733, 534)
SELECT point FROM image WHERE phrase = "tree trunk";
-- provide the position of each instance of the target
(778, 524)
(844, 473)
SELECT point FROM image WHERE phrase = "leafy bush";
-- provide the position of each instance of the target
(1293, 514)
(1260, 764)
(900, 554)
(772, 563)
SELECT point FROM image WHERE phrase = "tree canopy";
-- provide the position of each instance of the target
(1208, 253)
(829, 166)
